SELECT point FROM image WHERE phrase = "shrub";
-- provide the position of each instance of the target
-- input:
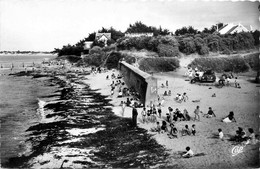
(167, 50)
(158, 64)
(187, 45)
(95, 49)
(94, 59)
(114, 57)
(204, 50)
(220, 64)
(253, 61)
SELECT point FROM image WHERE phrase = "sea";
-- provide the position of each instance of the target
(19, 101)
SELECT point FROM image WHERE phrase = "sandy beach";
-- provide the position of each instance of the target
(243, 102)
(82, 125)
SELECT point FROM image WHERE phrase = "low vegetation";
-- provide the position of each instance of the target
(164, 64)
(220, 64)
(253, 60)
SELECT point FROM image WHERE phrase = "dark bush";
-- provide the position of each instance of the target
(158, 64)
(221, 64)
(253, 61)
(95, 49)
(167, 50)
(114, 57)
(187, 45)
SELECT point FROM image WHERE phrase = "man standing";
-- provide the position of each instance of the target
(134, 116)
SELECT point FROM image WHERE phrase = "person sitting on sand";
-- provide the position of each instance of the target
(213, 95)
(240, 135)
(120, 93)
(186, 131)
(173, 132)
(186, 115)
(157, 128)
(169, 93)
(162, 86)
(251, 138)
(210, 113)
(164, 126)
(238, 86)
(229, 118)
(193, 130)
(220, 134)
(165, 93)
(179, 99)
(184, 97)
(180, 116)
(189, 153)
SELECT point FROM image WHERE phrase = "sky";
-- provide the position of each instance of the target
(42, 25)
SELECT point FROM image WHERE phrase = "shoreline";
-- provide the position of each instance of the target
(77, 124)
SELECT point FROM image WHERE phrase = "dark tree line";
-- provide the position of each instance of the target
(204, 41)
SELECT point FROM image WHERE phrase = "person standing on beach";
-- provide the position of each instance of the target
(159, 109)
(196, 112)
(144, 114)
(123, 108)
(134, 116)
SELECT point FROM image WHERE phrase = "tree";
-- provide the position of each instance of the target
(186, 30)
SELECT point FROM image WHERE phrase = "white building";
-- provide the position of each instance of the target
(104, 37)
(232, 28)
(138, 34)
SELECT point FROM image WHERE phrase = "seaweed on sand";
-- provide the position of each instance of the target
(119, 145)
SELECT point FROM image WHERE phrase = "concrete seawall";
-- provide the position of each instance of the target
(144, 83)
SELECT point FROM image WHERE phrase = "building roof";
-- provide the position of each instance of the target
(99, 35)
(137, 70)
(232, 28)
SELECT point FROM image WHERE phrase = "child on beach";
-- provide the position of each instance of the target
(173, 132)
(186, 131)
(229, 118)
(196, 112)
(193, 130)
(185, 97)
(123, 108)
(251, 137)
(144, 114)
(189, 153)
(164, 126)
(157, 128)
(186, 115)
(210, 113)
(159, 109)
(220, 134)
(163, 100)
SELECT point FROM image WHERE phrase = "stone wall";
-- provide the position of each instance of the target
(144, 83)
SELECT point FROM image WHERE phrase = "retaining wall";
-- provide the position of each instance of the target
(144, 83)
